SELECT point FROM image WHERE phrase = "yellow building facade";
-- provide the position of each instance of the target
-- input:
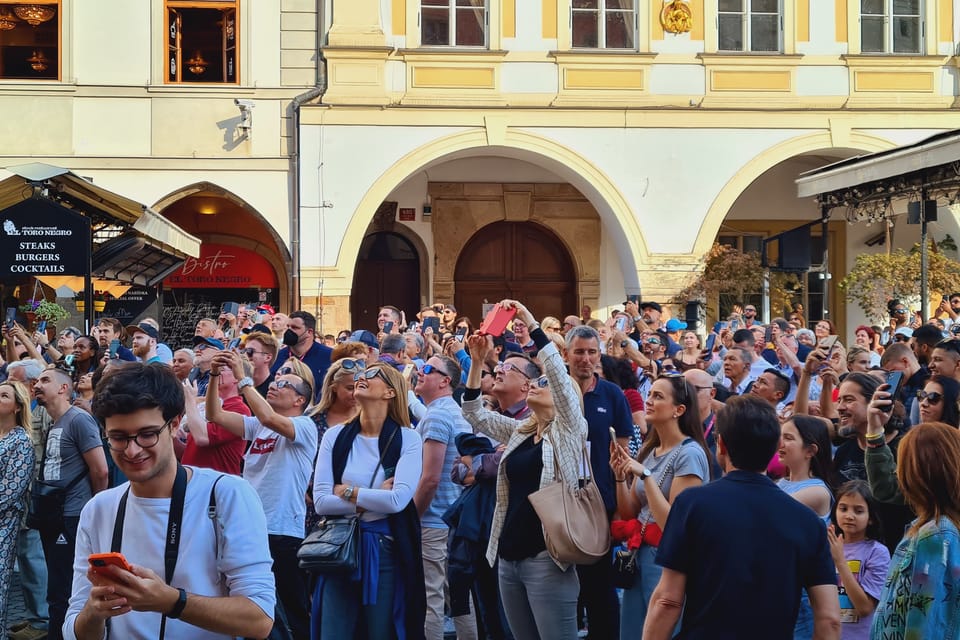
(632, 133)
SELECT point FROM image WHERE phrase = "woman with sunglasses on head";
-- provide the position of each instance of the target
(277, 464)
(539, 594)
(674, 457)
(16, 471)
(371, 466)
(337, 406)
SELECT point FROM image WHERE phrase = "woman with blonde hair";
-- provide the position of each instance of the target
(550, 325)
(371, 466)
(539, 593)
(921, 595)
(16, 470)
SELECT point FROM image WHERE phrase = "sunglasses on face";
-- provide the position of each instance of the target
(933, 397)
(283, 384)
(504, 367)
(370, 374)
(899, 311)
(429, 368)
(485, 373)
(542, 382)
(652, 341)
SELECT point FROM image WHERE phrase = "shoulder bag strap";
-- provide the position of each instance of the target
(382, 451)
(666, 471)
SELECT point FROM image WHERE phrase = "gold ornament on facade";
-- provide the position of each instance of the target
(676, 17)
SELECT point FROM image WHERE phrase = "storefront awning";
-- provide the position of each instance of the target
(131, 242)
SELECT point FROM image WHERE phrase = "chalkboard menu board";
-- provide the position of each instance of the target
(180, 322)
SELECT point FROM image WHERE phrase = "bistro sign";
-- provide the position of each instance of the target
(38, 237)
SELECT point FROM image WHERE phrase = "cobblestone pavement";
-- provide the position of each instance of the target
(15, 608)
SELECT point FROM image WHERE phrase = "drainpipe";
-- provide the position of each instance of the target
(298, 101)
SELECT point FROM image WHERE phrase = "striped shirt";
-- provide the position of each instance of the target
(442, 422)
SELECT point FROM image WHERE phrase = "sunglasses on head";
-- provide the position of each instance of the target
(350, 364)
(933, 397)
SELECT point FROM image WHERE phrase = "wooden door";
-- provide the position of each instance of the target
(388, 272)
(520, 260)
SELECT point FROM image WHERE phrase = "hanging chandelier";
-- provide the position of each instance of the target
(197, 65)
(38, 61)
(7, 21)
(34, 14)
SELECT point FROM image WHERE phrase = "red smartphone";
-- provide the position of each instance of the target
(100, 561)
(496, 321)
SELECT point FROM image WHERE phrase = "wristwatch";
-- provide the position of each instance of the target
(637, 319)
(244, 382)
(645, 474)
(179, 606)
(348, 493)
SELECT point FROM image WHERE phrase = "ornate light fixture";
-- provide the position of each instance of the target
(38, 61)
(7, 21)
(34, 14)
(197, 65)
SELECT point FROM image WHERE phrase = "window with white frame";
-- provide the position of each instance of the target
(891, 26)
(453, 23)
(749, 25)
(604, 24)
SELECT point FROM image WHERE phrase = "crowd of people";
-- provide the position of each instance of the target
(765, 482)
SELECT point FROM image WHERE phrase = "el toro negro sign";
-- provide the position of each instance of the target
(38, 237)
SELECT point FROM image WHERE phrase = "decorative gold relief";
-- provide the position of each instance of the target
(676, 17)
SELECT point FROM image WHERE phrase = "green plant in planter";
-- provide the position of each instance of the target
(45, 310)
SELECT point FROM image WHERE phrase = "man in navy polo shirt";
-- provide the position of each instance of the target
(301, 343)
(739, 550)
(604, 406)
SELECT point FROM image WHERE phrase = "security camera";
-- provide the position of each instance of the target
(244, 104)
(246, 113)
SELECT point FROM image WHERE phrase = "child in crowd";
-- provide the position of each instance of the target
(861, 558)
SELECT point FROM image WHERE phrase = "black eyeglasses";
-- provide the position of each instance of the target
(485, 373)
(933, 397)
(284, 384)
(144, 439)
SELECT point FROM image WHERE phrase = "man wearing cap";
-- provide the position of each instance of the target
(112, 329)
(673, 327)
(205, 349)
(145, 339)
(370, 340)
(650, 314)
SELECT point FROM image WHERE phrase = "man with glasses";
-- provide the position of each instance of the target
(205, 349)
(749, 316)
(569, 323)
(436, 492)
(215, 577)
(522, 336)
(279, 462)
(702, 382)
(260, 348)
(73, 460)
(448, 317)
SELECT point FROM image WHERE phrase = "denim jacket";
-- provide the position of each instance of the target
(921, 595)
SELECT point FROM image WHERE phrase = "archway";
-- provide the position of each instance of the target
(387, 272)
(520, 260)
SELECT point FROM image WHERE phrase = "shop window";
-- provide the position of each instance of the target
(749, 25)
(891, 26)
(604, 24)
(30, 41)
(453, 23)
(202, 42)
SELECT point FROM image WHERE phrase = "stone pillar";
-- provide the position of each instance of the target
(356, 23)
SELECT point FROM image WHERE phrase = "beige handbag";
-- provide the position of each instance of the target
(575, 524)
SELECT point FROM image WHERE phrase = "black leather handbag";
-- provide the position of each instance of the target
(332, 547)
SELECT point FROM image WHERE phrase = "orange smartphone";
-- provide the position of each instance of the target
(497, 320)
(100, 561)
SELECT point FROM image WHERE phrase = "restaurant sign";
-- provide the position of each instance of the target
(222, 266)
(39, 237)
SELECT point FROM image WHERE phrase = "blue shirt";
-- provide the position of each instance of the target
(605, 406)
(442, 422)
(746, 548)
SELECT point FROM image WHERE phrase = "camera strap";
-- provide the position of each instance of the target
(174, 526)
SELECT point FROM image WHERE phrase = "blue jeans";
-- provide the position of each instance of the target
(636, 599)
(343, 615)
(33, 577)
(803, 630)
(539, 599)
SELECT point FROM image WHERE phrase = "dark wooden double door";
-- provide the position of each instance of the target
(519, 260)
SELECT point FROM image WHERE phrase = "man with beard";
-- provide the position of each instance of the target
(145, 339)
(300, 342)
(73, 460)
(111, 329)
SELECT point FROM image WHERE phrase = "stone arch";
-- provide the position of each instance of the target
(722, 204)
(612, 207)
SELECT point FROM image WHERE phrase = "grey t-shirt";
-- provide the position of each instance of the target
(691, 461)
(75, 433)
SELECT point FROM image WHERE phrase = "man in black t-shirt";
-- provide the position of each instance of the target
(736, 552)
